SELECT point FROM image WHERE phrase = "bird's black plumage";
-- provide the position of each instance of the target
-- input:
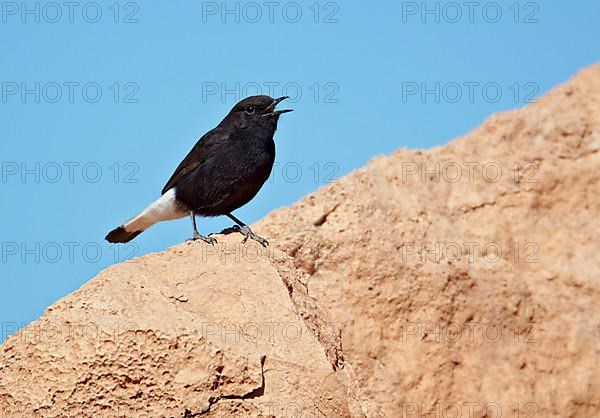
(224, 170)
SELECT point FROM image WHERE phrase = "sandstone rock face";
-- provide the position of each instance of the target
(193, 331)
(466, 278)
(460, 281)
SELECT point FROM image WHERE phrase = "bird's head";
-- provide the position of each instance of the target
(256, 111)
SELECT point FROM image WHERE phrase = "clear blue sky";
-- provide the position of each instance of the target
(95, 115)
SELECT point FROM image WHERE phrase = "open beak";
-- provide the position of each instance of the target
(270, 110)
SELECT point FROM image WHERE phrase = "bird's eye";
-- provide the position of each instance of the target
(250, 110)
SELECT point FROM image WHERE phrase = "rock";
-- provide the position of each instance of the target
(193, 331)
(468, 276)
(457, 281)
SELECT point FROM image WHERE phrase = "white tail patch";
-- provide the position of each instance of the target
(163, 209)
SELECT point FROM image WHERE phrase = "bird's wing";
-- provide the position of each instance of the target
(195, 158)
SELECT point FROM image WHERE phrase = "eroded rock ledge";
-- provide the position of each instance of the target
(192, 331)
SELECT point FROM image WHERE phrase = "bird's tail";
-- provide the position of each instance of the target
(164, 209)
(121, 235)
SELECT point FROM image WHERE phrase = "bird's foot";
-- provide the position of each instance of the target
(197, 237)
(247, 233)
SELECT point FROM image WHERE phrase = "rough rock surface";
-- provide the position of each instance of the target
(469, 273)
(464, 280)
(193, 331)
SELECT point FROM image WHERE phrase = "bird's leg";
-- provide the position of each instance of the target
(245, 230)
(197, 236)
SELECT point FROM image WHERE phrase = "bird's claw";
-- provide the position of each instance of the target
(247, 233)
(209, 240)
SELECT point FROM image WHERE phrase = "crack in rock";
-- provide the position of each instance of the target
(254, 393)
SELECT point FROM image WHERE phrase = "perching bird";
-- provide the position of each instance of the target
(224, 171)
